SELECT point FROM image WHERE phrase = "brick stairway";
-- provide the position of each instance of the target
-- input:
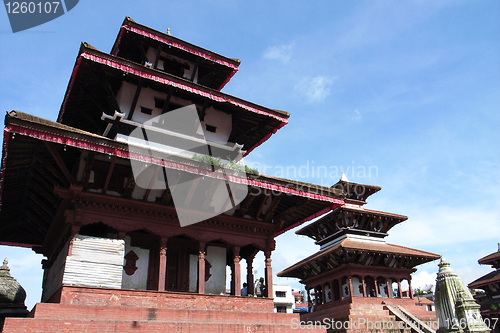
(367, 315)
(76, 309)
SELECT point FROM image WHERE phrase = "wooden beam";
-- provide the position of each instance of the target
(94, 100)
(401, 262)
(55, 226)
(60, 162)
(261, 206)
(203, 110)
(245, 205)
(292, 209)
(377, 259)
(272, 209)
(151, 183)
(167, 195)
(108, 176)
(129, 188)
(136, 98)
(195, 69)
(167, 100)
(48, 172)
(157, 58)
(88, 169)
(192, 189)
(209, 193)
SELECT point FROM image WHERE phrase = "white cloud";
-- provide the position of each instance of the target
(279, 52)
(423, 279)
(315, 89)
(447, 225)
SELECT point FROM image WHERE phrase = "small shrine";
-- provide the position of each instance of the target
(456, 309)
(12, 295)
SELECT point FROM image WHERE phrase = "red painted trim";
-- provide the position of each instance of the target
(60, 139)
(72, 80)
(264, 139)
(19, 244)
(122, 30)
(156, 78)
(180, 46)
(230, 76)
(4, 163)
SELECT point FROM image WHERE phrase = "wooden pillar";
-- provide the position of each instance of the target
(269, 274)
(236, 278)
(74, 230)
(163, 264)
(250, 286)
(376, 287)
(350, 285)
(388, 288)
(400, 294)
(410, 290)
(341, 289)
(364, 285)
(201, 269)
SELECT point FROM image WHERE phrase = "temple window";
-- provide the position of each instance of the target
(211, 128)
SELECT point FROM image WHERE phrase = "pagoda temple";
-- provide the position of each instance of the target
(138, 206)
(490, 284)
(356, 277)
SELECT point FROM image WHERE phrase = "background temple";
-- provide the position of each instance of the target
(356, 274)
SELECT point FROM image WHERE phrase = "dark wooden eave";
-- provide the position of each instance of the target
(362, 253)
(43, 155)
(351, 217)
(134, 39)
(93, 87)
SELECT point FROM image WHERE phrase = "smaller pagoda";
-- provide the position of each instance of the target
(490, 283)
(356, 274)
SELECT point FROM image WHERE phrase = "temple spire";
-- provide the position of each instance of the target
(456, 309)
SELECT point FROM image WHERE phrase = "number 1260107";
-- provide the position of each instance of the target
(32, 7)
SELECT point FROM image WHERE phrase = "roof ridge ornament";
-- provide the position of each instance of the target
(344, 177)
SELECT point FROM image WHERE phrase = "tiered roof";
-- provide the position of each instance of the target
(354, 235)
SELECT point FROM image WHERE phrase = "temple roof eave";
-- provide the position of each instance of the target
(348, 245)
(256, 125)
(301, 202)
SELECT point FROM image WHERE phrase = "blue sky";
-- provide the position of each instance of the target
(409, 90)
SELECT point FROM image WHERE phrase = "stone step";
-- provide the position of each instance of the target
(21, 325)
(77, 312)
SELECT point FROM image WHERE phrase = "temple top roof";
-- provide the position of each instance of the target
(491, 259)
(484, 281)
(352, 217)
(134, 39)
(356, 193)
